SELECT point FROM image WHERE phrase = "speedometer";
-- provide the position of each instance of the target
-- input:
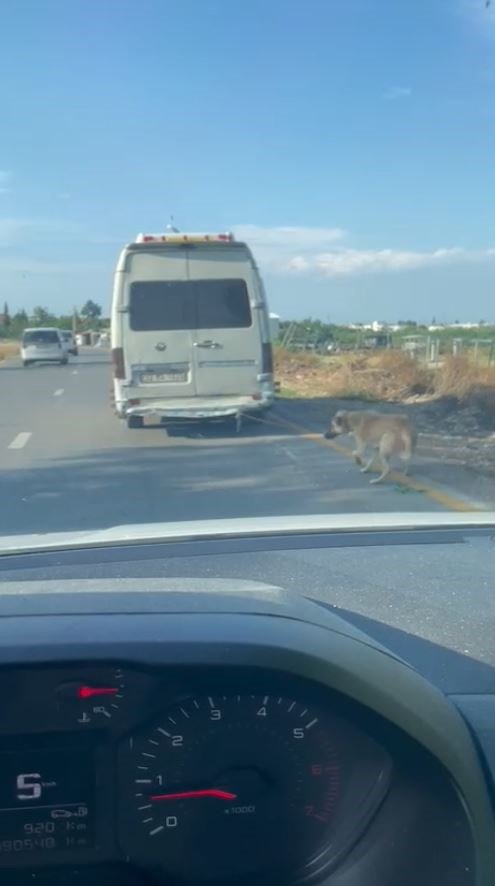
(226, 787)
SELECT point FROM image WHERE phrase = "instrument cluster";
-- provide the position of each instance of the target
(218, 775)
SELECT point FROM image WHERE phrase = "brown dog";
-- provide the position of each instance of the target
(389, 434)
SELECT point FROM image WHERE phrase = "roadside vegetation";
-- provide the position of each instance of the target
(315, 333)
(12, 325)
(386, 376)
(89, 317)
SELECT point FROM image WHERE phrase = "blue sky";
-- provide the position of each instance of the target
(350, 141)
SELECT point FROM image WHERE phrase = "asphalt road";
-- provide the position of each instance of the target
(67, 462)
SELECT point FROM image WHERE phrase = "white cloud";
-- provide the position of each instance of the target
(298, 250)
(288, 236)
(348, 262)
(299, 263)
(317, 252)
(395, 93)
(281, 248)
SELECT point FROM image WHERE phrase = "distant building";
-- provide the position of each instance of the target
(463, 325)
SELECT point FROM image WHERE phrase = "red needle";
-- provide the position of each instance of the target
(90, 691)
(189, 795)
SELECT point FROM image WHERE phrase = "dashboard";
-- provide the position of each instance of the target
(185, 738)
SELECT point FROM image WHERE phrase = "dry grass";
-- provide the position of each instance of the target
(470, 383)
(386, 376)
(8, 349)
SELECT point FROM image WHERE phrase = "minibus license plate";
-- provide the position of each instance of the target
(150, 378)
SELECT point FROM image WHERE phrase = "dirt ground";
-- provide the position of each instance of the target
(8, 349)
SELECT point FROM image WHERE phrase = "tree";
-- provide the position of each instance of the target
(21, 318)
(91, 311)
(41, 315)
(6, 315)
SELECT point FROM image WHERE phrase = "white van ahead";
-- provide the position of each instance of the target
(190, 333)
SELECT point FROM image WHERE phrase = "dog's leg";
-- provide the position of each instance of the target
(386, 470)
(365, 468)
(357, 456)
(407, 451)
(406, 458)
(358, 452)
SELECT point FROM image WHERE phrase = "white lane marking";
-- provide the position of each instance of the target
(20, 440)
(290, 454)
(58, 393)
(75, 371)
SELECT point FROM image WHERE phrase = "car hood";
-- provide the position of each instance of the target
(260, 527)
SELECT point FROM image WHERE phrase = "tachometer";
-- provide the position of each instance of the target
(235, 786)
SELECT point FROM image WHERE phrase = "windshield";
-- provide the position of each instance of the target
(265, 233)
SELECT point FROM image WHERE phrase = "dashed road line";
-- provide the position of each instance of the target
(58, 392)
(20, 440)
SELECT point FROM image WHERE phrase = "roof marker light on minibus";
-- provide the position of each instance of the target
(185, 238)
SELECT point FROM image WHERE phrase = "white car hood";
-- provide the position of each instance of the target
(242, 527)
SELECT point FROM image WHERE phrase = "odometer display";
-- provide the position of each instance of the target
(226, 787)
(46, 802)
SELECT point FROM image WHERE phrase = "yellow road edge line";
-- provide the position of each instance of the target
(437, 495)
